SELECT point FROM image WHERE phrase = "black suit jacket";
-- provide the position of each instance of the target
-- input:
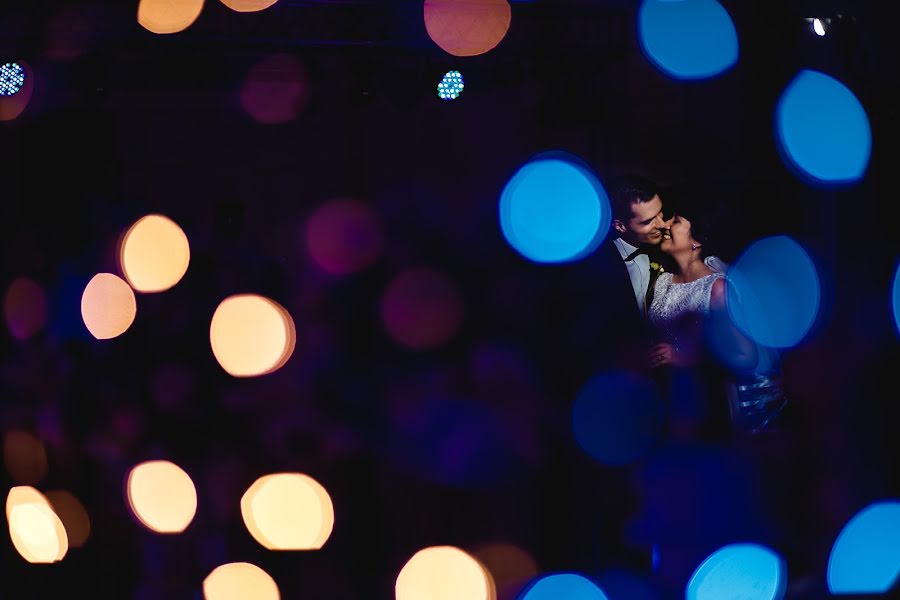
(591, 323)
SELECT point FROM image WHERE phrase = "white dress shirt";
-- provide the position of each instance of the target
(638, 271)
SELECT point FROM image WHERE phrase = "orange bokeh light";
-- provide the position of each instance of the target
(162, 496)
(443, 573)
(251, 335)
(24, 494)
(13, 106)
(108, 306)
(168, 16)
(467, 27)
(248, 5)
(35, 529)
(240, 581)
(73, 515)
(154, 254)
(24, 456)
(288, 511)
(25, 308)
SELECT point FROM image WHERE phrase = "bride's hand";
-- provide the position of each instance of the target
(664, 354)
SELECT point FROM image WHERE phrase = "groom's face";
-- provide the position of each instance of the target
(642, 229)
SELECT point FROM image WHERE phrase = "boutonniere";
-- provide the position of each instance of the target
(655, 270)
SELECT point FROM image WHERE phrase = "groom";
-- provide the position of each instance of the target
(638, 219)
(603, 298)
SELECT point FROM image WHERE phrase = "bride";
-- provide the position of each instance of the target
(699, 352)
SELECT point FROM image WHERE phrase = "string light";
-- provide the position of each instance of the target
(12, 78)
(451, 86)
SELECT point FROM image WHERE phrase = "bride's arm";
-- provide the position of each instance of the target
(735, 349)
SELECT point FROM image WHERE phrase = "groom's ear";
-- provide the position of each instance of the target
(619, 226)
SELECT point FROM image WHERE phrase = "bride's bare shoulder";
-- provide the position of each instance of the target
(717, 293)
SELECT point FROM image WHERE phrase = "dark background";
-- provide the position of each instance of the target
(134, 123)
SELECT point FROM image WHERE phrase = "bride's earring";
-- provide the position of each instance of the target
(694, 246)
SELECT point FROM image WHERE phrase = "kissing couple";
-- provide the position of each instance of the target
(707, 366)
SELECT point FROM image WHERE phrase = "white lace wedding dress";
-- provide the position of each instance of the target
(677, 309)
(677, 313)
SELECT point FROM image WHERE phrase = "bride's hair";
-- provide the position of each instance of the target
(709, 229)
(710, 221)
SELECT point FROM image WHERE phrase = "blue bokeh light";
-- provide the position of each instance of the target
(554, 210)
(12, 78)
(745, 571)
(775, 293)
(451, 86)
(688, 39)
(822, 130)
(617, 417)
(563, 585)
(865, 558)
(896, 298)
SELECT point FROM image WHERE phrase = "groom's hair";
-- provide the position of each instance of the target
(628, 190)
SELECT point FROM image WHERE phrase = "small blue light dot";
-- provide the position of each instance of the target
(451, 86)
(12, 78)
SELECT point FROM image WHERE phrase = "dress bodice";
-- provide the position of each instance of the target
(677, 307)
(673, 300)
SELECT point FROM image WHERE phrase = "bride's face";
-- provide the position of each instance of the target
(679, 236)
